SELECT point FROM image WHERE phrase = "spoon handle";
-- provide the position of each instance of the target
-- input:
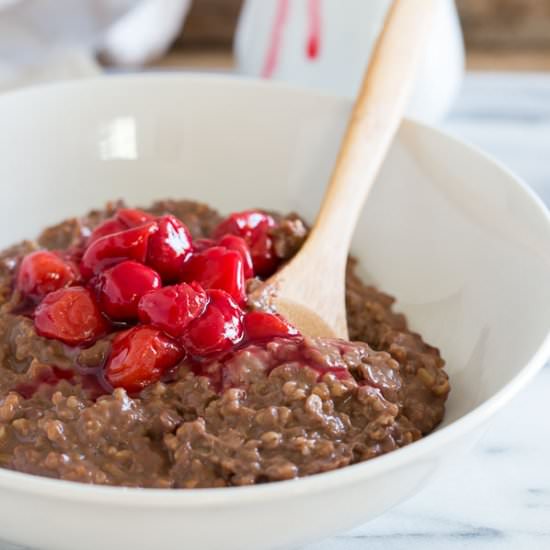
(373, 123)
(311, 287)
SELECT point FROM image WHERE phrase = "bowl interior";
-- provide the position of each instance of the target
(464, 247)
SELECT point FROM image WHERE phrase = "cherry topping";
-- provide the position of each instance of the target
(107, 251)
(169, 248)
(263, 255)
(218, 329)
(42, 272)
(121, 287)
(261, 326)
(108, 227)
(200, 245)
(253, 226)
(232, 242)
(218, 267)
(125, 218)
(141, 356)
(73, 256)
(243, 223)
(131, 217)
(172, 308)
(70, 315)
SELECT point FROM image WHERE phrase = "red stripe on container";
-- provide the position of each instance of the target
(274, 48)
(313, 44)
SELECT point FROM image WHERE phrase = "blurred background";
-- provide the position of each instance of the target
(54, 39)
(499, 35)
(485, 74)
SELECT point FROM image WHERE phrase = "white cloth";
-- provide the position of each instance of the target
(44, 40)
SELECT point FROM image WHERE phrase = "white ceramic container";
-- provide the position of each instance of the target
(274, 39)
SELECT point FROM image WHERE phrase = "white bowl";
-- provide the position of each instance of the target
(462, 243)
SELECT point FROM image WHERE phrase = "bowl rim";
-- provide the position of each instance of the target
(198, 498)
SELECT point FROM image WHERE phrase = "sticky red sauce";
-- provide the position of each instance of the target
(47, 377)
(94, 386)
(274, 47)
(214, 369)
(313, 43)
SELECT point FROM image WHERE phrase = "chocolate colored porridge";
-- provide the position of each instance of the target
(132, 356)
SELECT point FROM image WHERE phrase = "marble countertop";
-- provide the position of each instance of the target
(498, 495)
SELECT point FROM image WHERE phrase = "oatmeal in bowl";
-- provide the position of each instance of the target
(132, 353)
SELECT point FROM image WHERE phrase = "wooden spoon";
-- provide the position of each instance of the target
(310, 290)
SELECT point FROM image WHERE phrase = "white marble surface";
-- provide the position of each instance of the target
(498, 495)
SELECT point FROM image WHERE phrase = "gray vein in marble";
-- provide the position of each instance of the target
(466, 533)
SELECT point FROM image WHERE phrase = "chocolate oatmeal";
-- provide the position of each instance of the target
(130, 355)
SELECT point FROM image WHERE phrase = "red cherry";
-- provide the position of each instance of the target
(108, 227)
(121, 287)
(232, 242)
(131, 217)
(130, 244)
(125, 218)
(218, 329)
(253, 226)
(199, 245)
(243, 223)
(169, 248)
(72, 255)
(43, 272)
(172, 308)
(259, 326)
(70, 315)
(263, 256)
(139, 357)
(220, 268)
